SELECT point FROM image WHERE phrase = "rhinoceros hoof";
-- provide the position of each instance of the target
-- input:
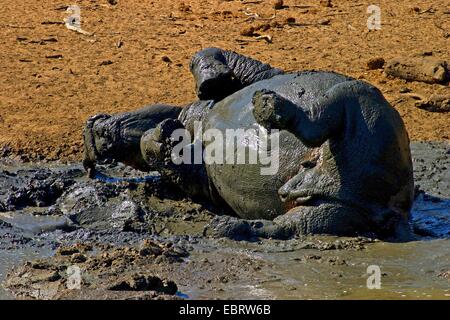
(269, 109)
(241, 229)
(157, 143)
(90, 136)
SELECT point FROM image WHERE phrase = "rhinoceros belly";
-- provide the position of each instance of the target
(251, 193)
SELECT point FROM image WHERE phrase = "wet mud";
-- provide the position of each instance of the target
(132, 236)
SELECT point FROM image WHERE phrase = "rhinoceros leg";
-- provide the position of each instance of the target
(335, 219)
(312, 128)
(182, 168)
(117, 137)
(219, 73)
(326, 218)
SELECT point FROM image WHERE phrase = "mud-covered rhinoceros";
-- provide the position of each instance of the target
(344, 160)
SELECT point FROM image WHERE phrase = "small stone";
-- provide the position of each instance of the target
(40, 265)
(105, 63)
(326, 3)
(148, 247)
(404, 90)
(278, 4)
(184, 7)
(78, 258)
(55, 56)
(166, 59)
(180, 252)
(50, 276)
(276, 24)
(290, 20)
(170, 287)
(67, 251)
(248, 32)
(263, 27)
(324, 22)
(375, 63)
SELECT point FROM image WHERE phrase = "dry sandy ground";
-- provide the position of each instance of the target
(52, 79)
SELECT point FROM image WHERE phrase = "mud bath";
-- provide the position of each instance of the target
(144, 241)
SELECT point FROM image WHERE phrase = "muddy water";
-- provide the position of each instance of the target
(13, 257)
(293, 269)
(17, 247)
(409, 271)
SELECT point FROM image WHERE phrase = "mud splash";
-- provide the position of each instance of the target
(147, 238)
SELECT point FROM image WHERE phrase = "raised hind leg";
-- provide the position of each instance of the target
(117, 137)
